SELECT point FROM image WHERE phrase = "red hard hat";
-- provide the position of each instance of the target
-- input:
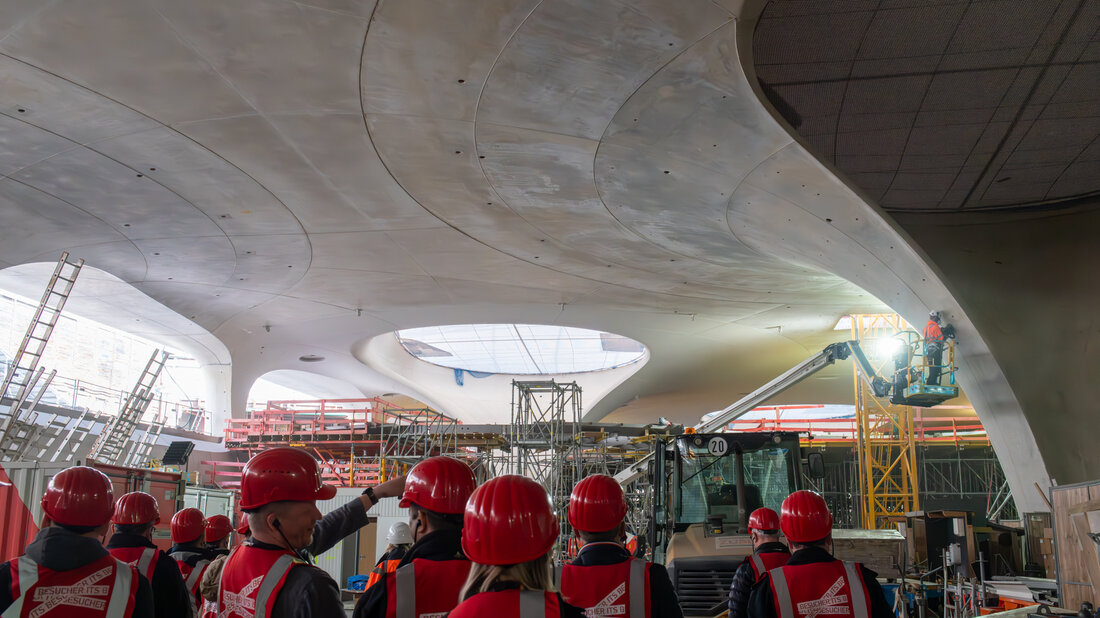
(187, 525)
(439, 484)
(79, 496)
(217, 527)
(136, 507)
(764, 519)
(597, 504)
(509, 520)
(282, 474)
(805, 517)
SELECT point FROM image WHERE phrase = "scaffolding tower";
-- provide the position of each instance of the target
(885, 446)
(544, 436)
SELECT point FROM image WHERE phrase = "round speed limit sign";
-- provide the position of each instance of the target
(717, 446)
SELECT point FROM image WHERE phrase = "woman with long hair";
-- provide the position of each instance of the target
(510, 529)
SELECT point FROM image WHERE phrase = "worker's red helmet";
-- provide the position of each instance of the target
(597, 504)
(509, 520)
(764, 520)
(136, 507)
(282, 474)
(217, 527)
(79, 496)
(439, 484)
(805, 517)
(187, 525)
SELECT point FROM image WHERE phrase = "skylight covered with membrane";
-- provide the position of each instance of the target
(524, 349)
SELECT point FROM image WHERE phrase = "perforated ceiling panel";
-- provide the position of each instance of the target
(942, 105)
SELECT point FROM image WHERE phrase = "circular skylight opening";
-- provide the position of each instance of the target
(526, 349)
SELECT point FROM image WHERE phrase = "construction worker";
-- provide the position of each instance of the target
(768, 553)
(934, 342)
(218, 529)
(399, 539)
(271, 574)
(813, 582)
(188, 529)
(510, 530)
(430, 575)
(605, 575)
(65, 570)
(136, 514)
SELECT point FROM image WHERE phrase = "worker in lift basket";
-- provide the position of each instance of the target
(813, 583)
(136, 515)
(66, 571)
(604, 576)
(271, 574)
(429, 576)
(768, 553)
(510, 531)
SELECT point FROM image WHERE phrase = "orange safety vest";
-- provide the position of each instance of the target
(144, 558)
(509, 604)
(251, 580)
(932, 332)
(609, 590)
(103, 588)
(809, 590)
(762, 563)
(425, 587)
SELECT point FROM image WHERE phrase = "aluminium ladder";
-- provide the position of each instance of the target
(17, 426)
(115, 444)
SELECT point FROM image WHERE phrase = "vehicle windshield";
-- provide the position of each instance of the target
(708, 483)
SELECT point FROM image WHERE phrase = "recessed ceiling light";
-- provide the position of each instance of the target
(311, 358)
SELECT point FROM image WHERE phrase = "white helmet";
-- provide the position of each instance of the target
(934, 316)
(399, 534)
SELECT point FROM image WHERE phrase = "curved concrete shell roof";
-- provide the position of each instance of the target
(299, 177)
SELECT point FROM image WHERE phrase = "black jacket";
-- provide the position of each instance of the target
(170, 596)
(309, 591)
(197, 554)
(762, 605)
(438, 545)
(663, 602)
(744, 578)
(58, 549)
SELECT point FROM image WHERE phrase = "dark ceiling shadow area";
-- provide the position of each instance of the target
(942, 106)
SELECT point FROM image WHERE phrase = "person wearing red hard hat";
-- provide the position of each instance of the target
(135, 516)
(428, 577)
(604, 573)
(510, 531)
(767, 554)
(66, 571)
(219, 528)
(188, 531)
(813, 582)
(271, 574)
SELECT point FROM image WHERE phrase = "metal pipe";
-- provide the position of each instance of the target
(981, 575)
(742, 510)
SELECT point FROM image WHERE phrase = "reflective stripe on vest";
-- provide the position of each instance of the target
(532, 604)
(442, 578)
(758, 565)
(196, 574)
(146, 561)
(405, 583)
(119, 594)
(637, 588)
(858, 596)
(271, 579)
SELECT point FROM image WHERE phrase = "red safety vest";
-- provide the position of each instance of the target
(608, 590)
(192, 575)
(209, 609)
(509, 604)
(762, 563)
(251, 580)
(144, 558)
(821, 588)
(105, 587)
(932, 332)
(425, 588)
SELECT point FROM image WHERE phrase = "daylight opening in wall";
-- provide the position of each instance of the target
(520, 349)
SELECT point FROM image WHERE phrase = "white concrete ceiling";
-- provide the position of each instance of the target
(300, 177)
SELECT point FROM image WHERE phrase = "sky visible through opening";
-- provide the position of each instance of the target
(524, 349)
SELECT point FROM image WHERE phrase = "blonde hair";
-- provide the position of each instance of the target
(531, 575)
